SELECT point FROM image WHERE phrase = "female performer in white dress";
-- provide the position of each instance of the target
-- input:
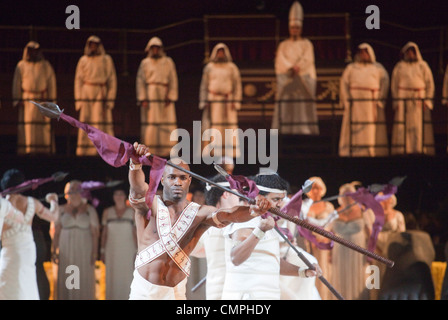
(75, 246)
(18, 253)
(118, 247)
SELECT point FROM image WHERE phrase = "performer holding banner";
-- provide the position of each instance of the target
(166, 239)
(117, 153)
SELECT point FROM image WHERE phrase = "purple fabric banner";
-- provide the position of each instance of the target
(117, 153)
(366, 198)
(293, 208)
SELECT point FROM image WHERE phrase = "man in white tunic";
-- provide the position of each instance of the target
(220, 99)
(211, 244)
(34, 79)
(363, 130)
(296, 80)
(254, 262)
(157, 90)
(412, 87)
(95, 92)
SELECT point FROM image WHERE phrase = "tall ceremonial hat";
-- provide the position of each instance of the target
(296, 14)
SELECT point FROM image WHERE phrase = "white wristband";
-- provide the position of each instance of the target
(258, 233)
(134, 166)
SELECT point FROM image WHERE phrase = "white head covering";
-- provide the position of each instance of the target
(97, 40)
(155, 41)
(226, 52)
(369, 49)
(32, 45)
(411, 44)
(296, 14)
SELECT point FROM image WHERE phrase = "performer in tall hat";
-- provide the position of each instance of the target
(220, 99)
(296, 80)
(363, 130)
(95, 92)
(34, 79)
(412, 87)
(157, 92)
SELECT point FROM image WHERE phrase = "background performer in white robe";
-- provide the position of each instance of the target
(296, 80)
(364, 79)
(34, 79)
(157, 90)
(445, 90)
(412, 79)
(95, 93)
(219, 98)
(18, 279)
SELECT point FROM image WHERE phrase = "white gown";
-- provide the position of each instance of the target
(18, 259)
(120, 254)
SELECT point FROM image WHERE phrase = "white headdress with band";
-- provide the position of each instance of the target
(270, 190)
(296, 14)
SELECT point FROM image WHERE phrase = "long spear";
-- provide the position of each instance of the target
(122, 151)
(34, 183)
(295, 220)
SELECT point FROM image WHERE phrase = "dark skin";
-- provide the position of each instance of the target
(176, 183)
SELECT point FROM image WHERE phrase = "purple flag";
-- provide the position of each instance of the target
(365, 197)
(30, 184)
(117, 152)
(244, 186)
(293, 208)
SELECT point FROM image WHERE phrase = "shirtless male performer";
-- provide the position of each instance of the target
(166, 240)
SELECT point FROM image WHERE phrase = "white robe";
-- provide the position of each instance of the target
(95, 93)
(409, 81)
(363, 81)
(157, 80)
(296, 117)
(34, 81)
(221, 85)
